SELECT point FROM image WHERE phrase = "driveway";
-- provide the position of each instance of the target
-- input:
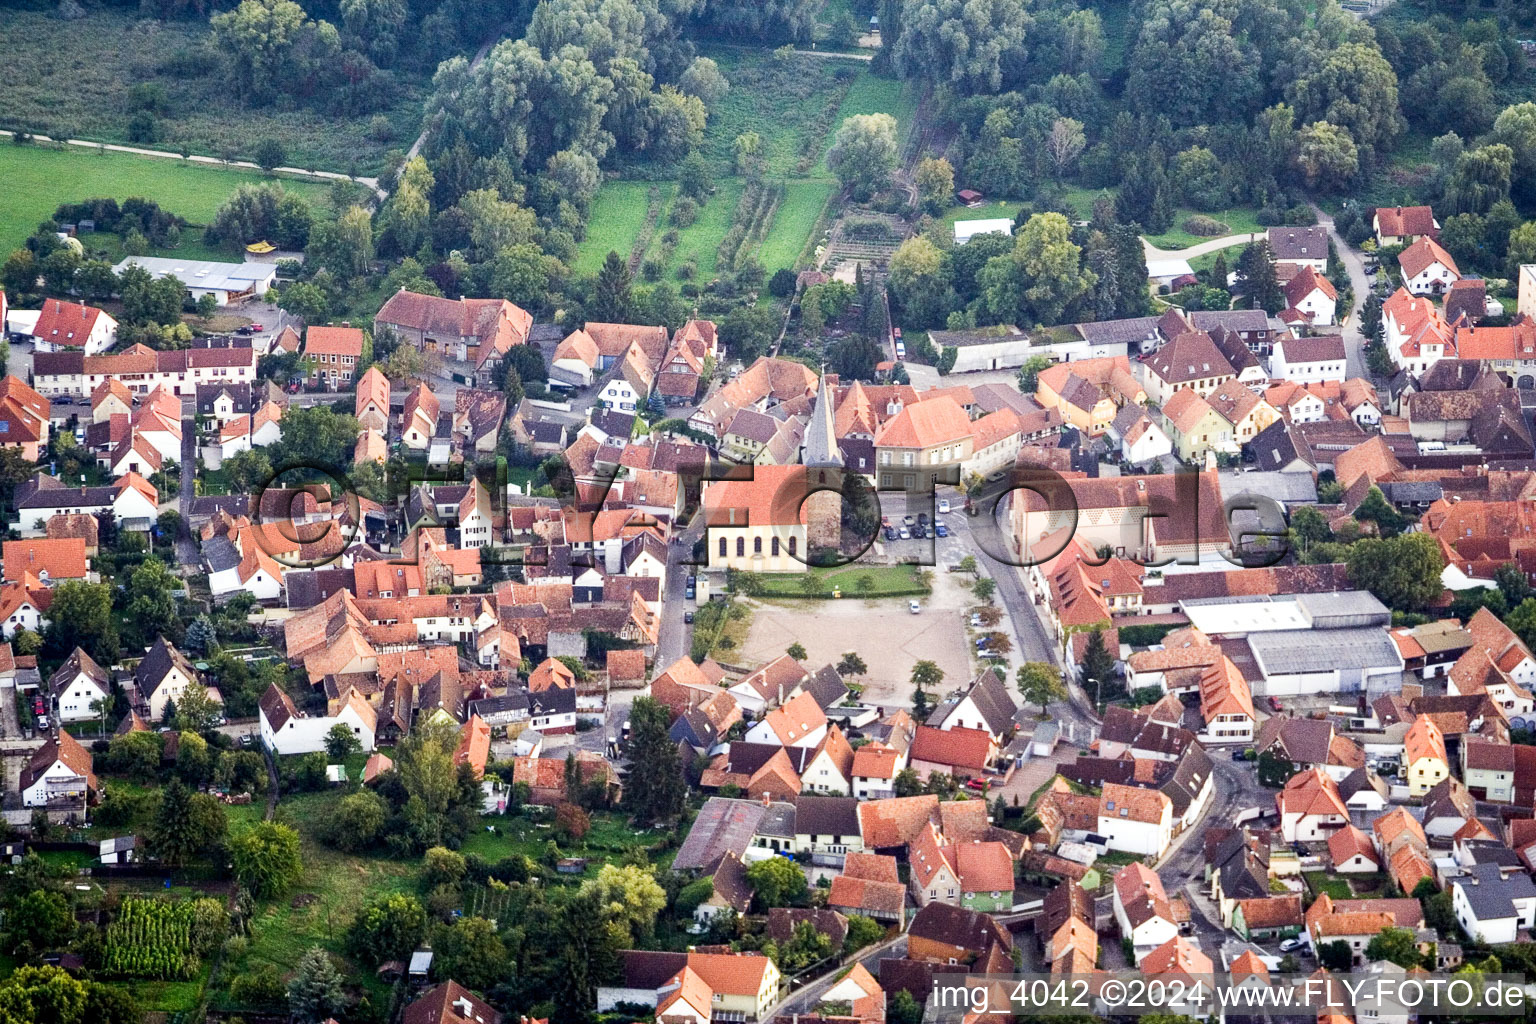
(1354, 263)
(1199, 249)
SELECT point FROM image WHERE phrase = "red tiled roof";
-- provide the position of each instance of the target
(334, 341)
(61, 559)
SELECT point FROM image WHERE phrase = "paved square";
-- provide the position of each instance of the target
(887, 636)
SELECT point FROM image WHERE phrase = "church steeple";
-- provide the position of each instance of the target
(820, 450)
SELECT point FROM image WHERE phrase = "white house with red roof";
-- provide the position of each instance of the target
(64, 326)
(1417, 336)
(1312, 296)
(1427, 269)
(23, 605)
(259, 429)
(1311, 807)
(59, 770)
(798, 722)
(1142, 909)
(285, 730)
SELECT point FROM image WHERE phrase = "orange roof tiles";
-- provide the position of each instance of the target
(334, 341)
(1424, 253)
(925, 425)
(60, 559)
(1133, 804)
(1312, 792)
(1424, 740)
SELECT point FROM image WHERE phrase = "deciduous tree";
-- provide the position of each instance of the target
(266, 858)
(863, 153)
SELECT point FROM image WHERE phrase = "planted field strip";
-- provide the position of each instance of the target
(153, 939)
(643, 240)
(759, 229)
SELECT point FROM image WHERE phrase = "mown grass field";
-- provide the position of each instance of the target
(85, 95)
(1239, 221)
(38, 179)
(794, 221)
(618, 215)
(880, 581)
(795, 109)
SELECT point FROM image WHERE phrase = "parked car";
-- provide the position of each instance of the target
(914, 607)
(688, 617)
(248, 329)
(42, 723)
(943, 506)
(1275, 705)
(976, 784)
(909, 521)
(940, 530)
(690, 592)
(885, 521)
(1289, 944)
(890, 533)
(920, 532)
(975, 620)
(258, 327)
(922, 517)
(904, 533)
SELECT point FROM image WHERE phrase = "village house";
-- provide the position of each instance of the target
(1311, 807)
(1190, 360)
(59, 772)
(1299, 247)
(923, 444)
(71, 327)
(1427, 269)
(1132, 820)
(470, 336)
(1309, 360)
(1425, 763)
(142, 369)
(1138, 437)
(335, 352)
(1417, 336)
(161, 677)
(1404, 225)
(24, 418)
(1492, 907)
(80, 689)
(1311, 300)
(1088, 393)
(1142, 910)
(131, 499)
(372, 404)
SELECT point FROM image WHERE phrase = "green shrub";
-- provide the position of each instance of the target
(1205, 227)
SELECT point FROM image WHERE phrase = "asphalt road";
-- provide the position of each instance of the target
(805, 999)
(1354, 263)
